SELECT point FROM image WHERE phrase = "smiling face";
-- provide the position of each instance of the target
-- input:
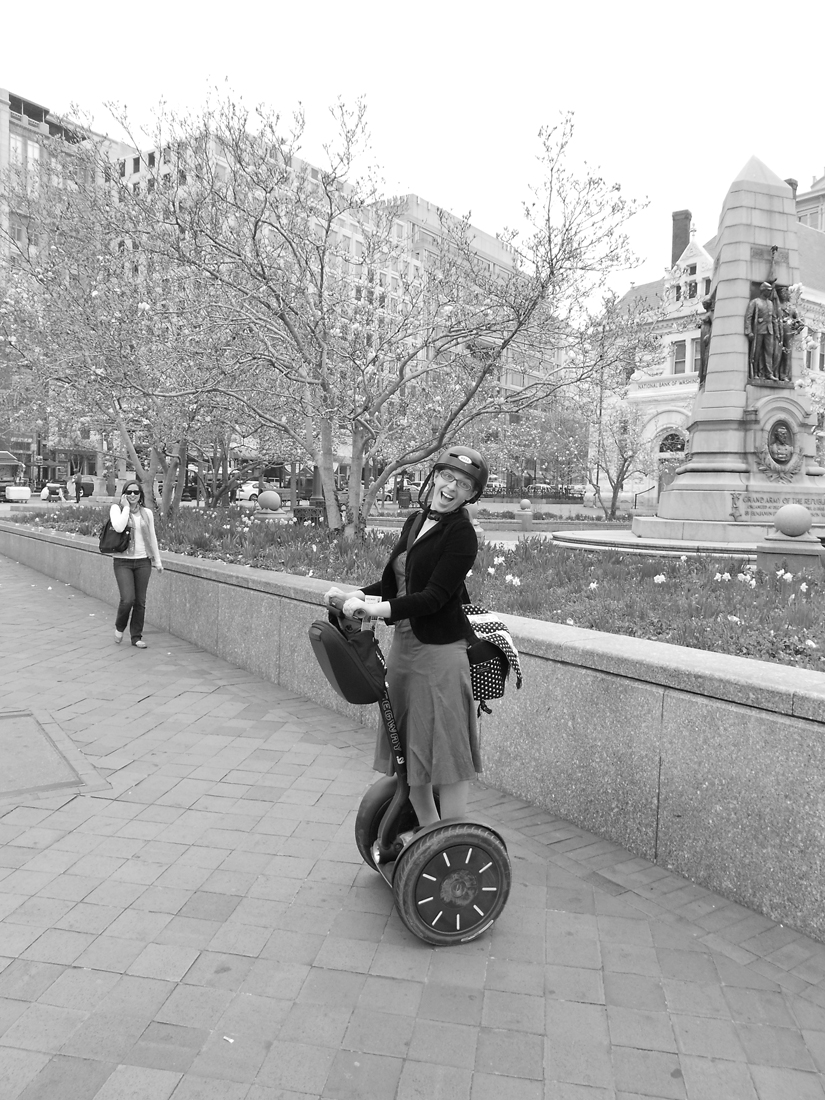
(451, 491)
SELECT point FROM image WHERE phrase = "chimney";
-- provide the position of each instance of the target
(681, 234)
(793, 184)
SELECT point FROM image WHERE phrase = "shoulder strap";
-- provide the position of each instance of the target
(417, 524)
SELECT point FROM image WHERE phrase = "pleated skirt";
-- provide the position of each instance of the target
(432, 700)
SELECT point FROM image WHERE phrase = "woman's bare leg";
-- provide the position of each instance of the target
(453, 798)
(424, 804)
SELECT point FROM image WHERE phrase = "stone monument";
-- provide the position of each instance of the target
(751, 448)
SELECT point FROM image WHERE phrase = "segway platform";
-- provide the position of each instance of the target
(450, 880)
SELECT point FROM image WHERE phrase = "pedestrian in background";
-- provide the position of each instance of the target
(133, 568)
(78, 487)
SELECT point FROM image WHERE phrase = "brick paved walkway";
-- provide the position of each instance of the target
(205, 930)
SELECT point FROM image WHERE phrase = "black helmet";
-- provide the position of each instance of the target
(465, 460)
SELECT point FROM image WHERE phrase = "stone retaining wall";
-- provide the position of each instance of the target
(713, 766)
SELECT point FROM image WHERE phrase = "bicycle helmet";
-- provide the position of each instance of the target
(467, 461)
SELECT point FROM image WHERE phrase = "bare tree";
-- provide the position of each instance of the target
(343, 328)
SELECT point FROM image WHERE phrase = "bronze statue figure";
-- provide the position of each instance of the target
(708, 304)
(788, 324)
(761, 324)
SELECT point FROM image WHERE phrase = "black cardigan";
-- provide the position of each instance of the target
(435, 568)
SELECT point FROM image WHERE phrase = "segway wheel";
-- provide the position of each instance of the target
(372, 809)
(452, 884)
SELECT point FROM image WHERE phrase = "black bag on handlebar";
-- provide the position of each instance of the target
(352, 662)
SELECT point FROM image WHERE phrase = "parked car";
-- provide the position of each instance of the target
(541, 489)
(247, 491)
(190, 492)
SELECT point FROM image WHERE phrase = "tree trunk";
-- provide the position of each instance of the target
(356, 522)
(325, 462)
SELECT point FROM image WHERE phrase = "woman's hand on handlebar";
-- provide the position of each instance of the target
(354, 608)
(336, 597)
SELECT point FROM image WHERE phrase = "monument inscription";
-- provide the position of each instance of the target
(762, 507)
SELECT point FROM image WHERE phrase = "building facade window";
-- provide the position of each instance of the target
(679, 353)
(697, 355)
(815, 352)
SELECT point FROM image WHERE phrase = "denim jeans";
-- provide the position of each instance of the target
(132, 576)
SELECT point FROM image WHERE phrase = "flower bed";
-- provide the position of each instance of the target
(727, 608)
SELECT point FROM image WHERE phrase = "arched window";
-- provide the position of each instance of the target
(672, 442)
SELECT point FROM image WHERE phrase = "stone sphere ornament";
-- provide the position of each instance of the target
(525, 504)
(793, 520)
(269, 500)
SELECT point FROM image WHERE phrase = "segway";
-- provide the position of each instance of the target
(450, 880)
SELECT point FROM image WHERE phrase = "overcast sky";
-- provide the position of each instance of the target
(670, 99)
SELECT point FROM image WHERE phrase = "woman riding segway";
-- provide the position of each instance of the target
(421, 593)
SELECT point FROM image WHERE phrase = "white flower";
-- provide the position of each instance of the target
(498, 561)
(718, 577)
(491, 571)
(788, 578)
(593, 584)
(803, 587)
(734, 619)
(660, 578)
(780, 572)
(683, 557)
(810, 642)
(314, 547)
(508, 578)
(470, 573)
(570, 622)
(726, 576)
(516, 582)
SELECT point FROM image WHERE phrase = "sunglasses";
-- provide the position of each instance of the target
(132, 493)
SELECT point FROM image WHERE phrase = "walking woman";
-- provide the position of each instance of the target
(133, 567)
(422, 591)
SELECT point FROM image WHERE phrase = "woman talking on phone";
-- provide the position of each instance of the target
(133, 567)
(422, 591)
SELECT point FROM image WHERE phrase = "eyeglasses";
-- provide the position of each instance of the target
(132, 493)
(462, 482)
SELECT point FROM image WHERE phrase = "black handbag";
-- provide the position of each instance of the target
(112, 541)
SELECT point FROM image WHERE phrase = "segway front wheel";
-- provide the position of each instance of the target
(372, 809)
(451, 885)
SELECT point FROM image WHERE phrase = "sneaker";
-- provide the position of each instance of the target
(118, 637)
(140, 644)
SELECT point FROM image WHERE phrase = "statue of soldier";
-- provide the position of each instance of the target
(789, 324)
(761, 329)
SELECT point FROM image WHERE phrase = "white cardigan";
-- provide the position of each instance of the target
(120, 521)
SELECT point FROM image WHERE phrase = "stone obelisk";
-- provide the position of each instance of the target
(751, 447)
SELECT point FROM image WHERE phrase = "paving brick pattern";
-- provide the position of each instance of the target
(205, 930)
